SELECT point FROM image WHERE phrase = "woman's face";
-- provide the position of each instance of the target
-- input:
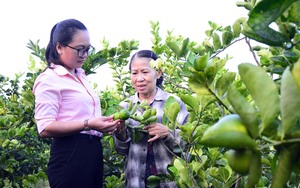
(143, 77)
(69, 56)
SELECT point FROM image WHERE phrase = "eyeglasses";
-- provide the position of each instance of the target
(81, 52)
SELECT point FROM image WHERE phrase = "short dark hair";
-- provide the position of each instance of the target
(147, 54)
(61, 33)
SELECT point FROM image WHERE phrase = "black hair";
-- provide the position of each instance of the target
(61, 33)
(147, 54)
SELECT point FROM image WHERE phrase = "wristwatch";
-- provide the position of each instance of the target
(86, 125)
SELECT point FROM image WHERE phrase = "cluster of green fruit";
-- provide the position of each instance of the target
(242, 156)
(147, 117)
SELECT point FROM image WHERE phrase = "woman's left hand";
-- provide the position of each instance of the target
(156, 131)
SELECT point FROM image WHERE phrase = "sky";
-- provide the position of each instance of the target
(114, 20)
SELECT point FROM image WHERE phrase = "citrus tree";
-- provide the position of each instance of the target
(256, 139)
(253, 139)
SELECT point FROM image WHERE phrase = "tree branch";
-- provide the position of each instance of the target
(221, 50)
(251, 50)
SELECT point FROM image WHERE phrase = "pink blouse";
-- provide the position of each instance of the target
(59, 96)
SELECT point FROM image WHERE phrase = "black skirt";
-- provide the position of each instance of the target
(76, 161)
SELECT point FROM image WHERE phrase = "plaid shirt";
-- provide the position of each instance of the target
(136, 153)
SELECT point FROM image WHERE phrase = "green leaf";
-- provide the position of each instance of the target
(247, 112)
(198, 87)
(265, 35)
(227, 37)
(187, 131)
(184, 47)
(211, 72)
(191, 101)
(261, 16)
(289, 102)
(174, 47)
(236, 27)
(153, 181)
(196, 166)
(266, 12)
(296, 73)
(206, 100)
(165, 120)
(221, 174)
(294, 13)
(216, 41)
(201, 62)
(263, 90)
(171, 109)
(181, 169)
(213, 25)
(111, 110)
(223, 82)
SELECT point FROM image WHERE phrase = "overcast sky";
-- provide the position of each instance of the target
(115, 20)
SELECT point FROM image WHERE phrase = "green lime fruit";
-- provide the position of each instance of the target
(228, 132)
(122, 115)
(239, 160)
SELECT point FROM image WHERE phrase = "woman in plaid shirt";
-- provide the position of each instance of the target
(148, 156)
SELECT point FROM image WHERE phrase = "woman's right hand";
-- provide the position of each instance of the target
(105, 124)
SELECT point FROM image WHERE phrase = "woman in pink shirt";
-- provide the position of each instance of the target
(68, 110)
